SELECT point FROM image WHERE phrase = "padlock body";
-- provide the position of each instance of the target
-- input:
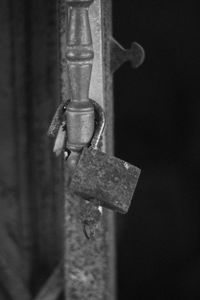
(105, 178)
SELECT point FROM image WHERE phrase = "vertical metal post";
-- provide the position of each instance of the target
(88, 265)
(79, 54)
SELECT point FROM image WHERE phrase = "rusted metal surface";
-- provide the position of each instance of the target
(89, 265)
(119, 55)
(105, 178)
(101, 178)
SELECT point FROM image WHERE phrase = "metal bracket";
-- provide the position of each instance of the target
(119, 55)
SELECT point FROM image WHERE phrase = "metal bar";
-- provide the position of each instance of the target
(89, 265)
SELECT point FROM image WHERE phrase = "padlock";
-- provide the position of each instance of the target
(107, 179)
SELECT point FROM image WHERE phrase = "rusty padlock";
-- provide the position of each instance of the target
(109, 180)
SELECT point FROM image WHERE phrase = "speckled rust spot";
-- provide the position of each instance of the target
(105, 178)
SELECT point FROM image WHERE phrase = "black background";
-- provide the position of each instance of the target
(157, 127)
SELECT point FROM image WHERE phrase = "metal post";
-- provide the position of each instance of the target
(89, 265)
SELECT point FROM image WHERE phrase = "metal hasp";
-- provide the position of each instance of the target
(88, 265)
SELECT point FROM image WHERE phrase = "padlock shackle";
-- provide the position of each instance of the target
(99, 119)
(100, 122)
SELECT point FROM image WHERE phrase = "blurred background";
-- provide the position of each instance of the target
(157, 123)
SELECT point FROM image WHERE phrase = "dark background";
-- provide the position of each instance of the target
(157, 122)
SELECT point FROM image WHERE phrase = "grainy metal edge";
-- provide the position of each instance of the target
(106, 7)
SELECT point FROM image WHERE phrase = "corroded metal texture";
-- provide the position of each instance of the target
(87, 262)
(106, 178)
(89, 265)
